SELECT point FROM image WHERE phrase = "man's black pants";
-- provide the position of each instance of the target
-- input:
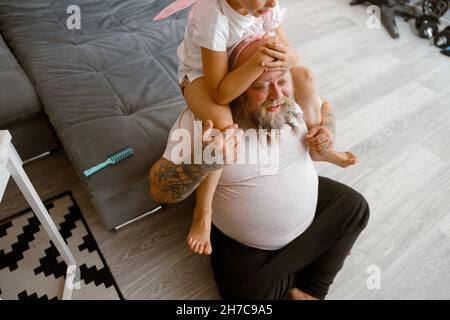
(309, 263)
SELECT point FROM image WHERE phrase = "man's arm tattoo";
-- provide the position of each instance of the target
(174, 183)
(329, 118)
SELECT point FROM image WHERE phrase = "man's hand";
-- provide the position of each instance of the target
(171, 183)
(227, 143)
(320, 139)
(285, 56)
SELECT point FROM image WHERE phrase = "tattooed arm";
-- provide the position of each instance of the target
(328, 117)
(321, 138)
(171, 183)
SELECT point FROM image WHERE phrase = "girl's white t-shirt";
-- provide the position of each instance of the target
(214, 25)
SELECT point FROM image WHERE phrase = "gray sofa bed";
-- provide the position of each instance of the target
(108, 85)
(20, 110)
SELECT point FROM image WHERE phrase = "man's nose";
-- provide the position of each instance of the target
(275, 92)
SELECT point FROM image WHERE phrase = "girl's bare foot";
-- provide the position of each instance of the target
(198, 238)
(296, 294)
(342, 159)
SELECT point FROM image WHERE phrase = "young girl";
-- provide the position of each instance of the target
(214, 28)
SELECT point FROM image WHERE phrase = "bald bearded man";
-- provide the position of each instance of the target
(276, 235)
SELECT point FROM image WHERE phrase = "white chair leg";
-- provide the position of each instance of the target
(72, 281)
(14, 166)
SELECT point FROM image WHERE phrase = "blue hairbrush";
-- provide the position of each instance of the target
(112, 159)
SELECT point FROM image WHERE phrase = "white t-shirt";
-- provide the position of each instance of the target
(264, 209)
(214, 25)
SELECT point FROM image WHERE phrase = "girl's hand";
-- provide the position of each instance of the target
(286, 57)
(262, 60)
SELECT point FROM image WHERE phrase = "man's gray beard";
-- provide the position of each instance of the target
(261, 118)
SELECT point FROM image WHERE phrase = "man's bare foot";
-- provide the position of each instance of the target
(198, 238)
(296, 294)
(342, 159)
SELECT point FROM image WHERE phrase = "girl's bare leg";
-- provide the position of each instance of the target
(204, 107)
(198, 238)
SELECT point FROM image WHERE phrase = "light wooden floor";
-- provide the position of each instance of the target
(393, 102)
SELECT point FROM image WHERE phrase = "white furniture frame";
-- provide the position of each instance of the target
(11, 165)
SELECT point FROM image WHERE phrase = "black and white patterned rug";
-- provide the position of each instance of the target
(31, 267)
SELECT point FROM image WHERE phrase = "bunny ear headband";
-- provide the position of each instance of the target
(272, 20)
(176, 6)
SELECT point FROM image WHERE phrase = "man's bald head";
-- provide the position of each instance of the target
(267, 102)
(244, 51)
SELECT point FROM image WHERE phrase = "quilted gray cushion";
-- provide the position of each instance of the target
(18, 100)
(109, 85)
